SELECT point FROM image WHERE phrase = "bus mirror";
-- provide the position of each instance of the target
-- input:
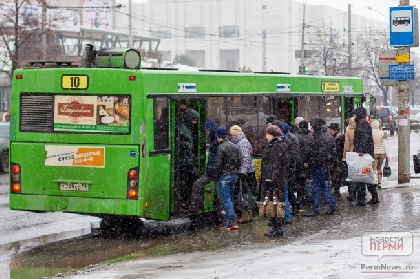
(118, 58)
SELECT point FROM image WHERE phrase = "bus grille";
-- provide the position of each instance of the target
(36, 112)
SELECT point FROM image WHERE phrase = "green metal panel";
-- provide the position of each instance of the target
(209, 195)
(38, 178)
(243, 82)
(156, 172)
(88, 205)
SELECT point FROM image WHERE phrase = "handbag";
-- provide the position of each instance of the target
(244, 201)
(386, 171)
(269, 209)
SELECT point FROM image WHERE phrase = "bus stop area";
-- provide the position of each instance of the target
(329, 249)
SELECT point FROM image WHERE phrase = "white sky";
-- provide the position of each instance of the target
(358, 6)
(379, 8)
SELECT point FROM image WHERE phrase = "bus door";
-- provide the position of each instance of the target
(352, 103)
(284, 109)
(188, 162)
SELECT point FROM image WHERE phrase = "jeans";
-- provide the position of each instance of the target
(319, 186)
(226, 187)
(287, 214)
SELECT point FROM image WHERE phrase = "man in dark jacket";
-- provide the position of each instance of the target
(186, 156)
(319, 159)
(304, 137)
(274, 169)
(338, 169)
(227, 165)
(197, 202)
(363, 144)
(293, 147)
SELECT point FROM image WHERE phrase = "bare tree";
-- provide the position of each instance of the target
(329, 52)
(368, 45)
(21, 28)
(415, 84)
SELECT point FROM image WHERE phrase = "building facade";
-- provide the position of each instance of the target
(262, 35)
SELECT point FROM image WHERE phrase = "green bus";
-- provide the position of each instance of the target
(102, 140)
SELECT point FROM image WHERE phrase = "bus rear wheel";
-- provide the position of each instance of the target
(120, 224)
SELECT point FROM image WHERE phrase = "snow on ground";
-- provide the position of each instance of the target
(307, 258)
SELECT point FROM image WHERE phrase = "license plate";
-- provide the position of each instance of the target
(74, 187)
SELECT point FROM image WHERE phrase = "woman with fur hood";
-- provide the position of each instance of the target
(380, 153)
(349, 147)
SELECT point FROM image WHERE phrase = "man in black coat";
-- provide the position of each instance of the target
(338, 170)
(363, 144)
(319, 158)
(302, 175)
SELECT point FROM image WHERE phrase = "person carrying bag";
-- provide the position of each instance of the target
(274, 168)
(244, 204)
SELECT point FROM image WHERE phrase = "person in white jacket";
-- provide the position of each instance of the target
(380, 152)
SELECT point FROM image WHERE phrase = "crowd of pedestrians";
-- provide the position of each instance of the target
(302, 164)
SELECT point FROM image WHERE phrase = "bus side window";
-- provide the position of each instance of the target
(161, 123)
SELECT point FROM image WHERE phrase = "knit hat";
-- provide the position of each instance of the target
(334, 126)
(270, 119)
(278, 123)
(273, 130)
(210, 125)
(298, 120)
(360, 112)
(303, 124)
(317, 123)
(221, 133)
(235, 130)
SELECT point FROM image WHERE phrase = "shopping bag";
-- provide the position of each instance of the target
(386, 171)
(244, 201)
(269, 209)
(360, 168)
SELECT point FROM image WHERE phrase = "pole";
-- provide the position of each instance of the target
(44, 31)
(130, 26)
(349, 39)
(302, 47)
(15, 60)
(403, 121)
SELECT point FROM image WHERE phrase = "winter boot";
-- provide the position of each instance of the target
(276, 229)
(361, 195)
(336, 194)
(374, 193)
(270, 222)
(361, 201)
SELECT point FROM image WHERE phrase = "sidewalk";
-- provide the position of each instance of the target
(330, 247)
(20, 230)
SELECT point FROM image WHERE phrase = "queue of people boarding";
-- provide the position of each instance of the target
(301, 165)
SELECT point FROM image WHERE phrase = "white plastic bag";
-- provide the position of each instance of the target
(360, 168)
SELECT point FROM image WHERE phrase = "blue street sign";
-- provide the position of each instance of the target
(401, 26)
(401, 72)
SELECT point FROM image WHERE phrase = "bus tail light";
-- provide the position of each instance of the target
(133, 184)
(15, 178)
